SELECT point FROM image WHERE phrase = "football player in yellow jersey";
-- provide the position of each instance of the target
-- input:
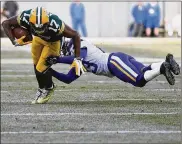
(48, 29)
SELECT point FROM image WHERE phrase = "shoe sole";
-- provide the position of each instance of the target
(34, 102)
(174, 67)
(44, 100)
(169, 76)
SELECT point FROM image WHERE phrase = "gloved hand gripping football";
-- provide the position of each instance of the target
(20, 42)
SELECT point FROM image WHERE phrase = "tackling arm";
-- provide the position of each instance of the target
(66, 78)
(66, 59)
(70, 33)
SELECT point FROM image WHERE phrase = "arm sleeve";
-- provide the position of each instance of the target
(66, 78)
(66, 59)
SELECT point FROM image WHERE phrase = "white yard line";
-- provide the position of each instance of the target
(84, 114)
(16, 61)
(4, 91)
(93, 132)
(105, 90)
(18, 75)
(108, 90)
(11, 70)
(98, 100)
(118, 81)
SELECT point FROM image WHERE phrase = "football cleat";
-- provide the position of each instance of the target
(38, 94)
(174, 67)
(165, 70)
(45, 97)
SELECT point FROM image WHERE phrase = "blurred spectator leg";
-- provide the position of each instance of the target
(148, 32)
(75, 25)
(83, 28)
(135, 30)
(155, 28)
(140, 30)
(138, 13)
(130, 29)
(156, 32)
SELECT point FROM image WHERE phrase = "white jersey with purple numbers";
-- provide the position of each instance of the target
(96, 59)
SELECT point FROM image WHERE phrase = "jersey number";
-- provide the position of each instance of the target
(54, 24)
(24, 19)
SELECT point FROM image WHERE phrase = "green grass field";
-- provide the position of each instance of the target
(93, 109)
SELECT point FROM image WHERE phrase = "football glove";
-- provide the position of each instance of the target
(51, 60)
(77, 63)
(20, 42)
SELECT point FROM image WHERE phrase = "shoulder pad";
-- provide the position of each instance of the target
(23, 18)
(56, 24)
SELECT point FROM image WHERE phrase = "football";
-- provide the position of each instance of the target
(18, 32)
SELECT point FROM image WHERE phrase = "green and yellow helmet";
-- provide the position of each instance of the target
(39, 19)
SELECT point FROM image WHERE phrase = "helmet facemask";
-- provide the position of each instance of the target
(39, 29)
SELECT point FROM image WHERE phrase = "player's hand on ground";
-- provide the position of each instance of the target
(51, 60)
(20, 42)
(79, 68)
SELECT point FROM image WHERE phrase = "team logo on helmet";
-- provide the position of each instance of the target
(39, 19)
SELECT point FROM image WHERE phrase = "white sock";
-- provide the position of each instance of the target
(151, 74)
(156, 65)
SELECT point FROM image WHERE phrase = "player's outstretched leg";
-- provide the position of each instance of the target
(66, 78)
(156, 70)
(127, 69)
(164, 68)
(120, 65)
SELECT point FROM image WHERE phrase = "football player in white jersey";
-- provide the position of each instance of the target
(123, 66)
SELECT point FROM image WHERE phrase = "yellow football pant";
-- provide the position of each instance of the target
(41, 50)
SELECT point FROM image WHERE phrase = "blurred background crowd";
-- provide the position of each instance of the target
(146, 19)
